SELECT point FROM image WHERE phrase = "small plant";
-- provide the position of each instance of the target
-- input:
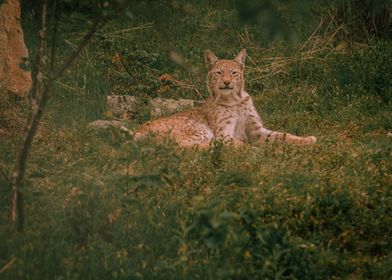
(266, 251)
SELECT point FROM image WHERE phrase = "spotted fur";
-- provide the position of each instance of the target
(228, 114)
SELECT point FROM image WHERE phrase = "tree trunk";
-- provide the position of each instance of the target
(13, 52)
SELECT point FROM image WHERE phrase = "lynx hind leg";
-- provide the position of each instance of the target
(144, 131)
(273, 136)
(197, 146)
(198, 136)
(187, 134)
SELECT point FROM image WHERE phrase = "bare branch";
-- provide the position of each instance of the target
(85, 40)
(37, 79)
(17, 207)
(56, 14)
(8, 265)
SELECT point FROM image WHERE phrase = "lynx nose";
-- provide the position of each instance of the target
(226, 83)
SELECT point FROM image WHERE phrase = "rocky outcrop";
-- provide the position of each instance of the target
(13, 51)
(127, 106)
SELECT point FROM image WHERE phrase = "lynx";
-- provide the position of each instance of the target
(228, 115)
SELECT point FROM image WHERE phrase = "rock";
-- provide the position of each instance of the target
(107, 124)
(13, 51)
(127, 106)
(165, 106)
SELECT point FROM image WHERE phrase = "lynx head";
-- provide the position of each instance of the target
(225, 79)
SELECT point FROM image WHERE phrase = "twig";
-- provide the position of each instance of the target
(5, 174)
(127, 70)
(8, 265)
(254, 63)
(143, 26)
(198, 93)
(77, 90)
(72, 45)
(37, 79)
(56, 12)
(311, 36)
(74, 55)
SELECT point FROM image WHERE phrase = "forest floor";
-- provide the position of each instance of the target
(100, 206)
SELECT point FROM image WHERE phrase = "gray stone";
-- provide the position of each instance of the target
(127, 106)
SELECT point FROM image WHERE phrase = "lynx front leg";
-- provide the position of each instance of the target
(225, 132)
(229, 140)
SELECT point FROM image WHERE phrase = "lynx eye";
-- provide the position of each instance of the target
(235, 73)
(220, 73)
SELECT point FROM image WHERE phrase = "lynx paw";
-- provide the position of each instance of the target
(310, 140)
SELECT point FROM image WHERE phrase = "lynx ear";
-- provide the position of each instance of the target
(210, 58)
(240, 58)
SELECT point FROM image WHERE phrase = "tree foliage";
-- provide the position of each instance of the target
(358, 19)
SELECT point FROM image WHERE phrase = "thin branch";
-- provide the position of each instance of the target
(127, 70)
(85, 40)
(122, 31)
(5, 174)
(17, 208)
(37, 79)
(17, 200)
(311, 36)
(7, 265)
(56, 12)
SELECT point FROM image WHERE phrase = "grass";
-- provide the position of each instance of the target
(100, 206)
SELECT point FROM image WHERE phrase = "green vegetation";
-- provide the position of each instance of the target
(100, 206)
